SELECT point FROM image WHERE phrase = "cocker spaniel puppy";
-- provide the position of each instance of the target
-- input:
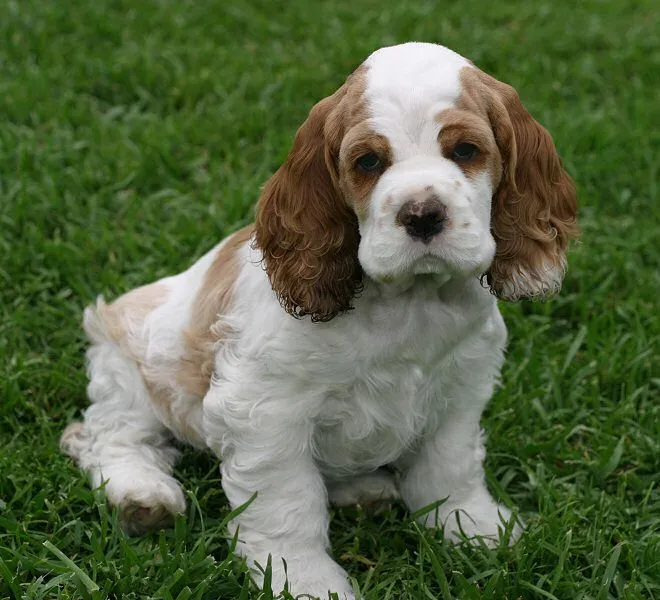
(342, 348)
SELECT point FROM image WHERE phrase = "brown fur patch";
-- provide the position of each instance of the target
(463, 126)
(122, 321)
(535, 206)
(306, 230)
(131, 309)
(356, 184)
(213, 299)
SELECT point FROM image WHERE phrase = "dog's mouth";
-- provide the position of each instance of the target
(428, 264)
(427, 267)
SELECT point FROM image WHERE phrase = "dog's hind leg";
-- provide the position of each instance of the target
(122, 443)
(370, 489)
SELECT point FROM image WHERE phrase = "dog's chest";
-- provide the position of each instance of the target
(377, 378)
(379, 417)
(391, 389)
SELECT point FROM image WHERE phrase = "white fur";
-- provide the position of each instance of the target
(465, 247)
(122, 442)
(408, 86)
(547, 282)
(299, 411)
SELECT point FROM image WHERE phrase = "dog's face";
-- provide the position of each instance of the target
(419, 171)
(419, 164)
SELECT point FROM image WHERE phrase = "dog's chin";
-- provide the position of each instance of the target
(428, 267)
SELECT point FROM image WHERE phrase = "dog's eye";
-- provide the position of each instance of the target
(464, 151)
(369, 162)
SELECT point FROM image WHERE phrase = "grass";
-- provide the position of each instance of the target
(135, 135)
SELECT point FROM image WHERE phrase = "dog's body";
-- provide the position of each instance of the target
(304, 409)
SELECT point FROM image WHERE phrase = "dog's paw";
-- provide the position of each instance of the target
(147, 499)
(487, 520)
(369, 490)
(74, 440)
(311, 587)
(309, 577)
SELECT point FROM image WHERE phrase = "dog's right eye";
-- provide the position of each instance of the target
(369, 163)
(463, 152)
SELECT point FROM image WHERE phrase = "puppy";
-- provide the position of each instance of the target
(342, 348)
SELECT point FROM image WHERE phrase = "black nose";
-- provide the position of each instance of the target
(423, 220)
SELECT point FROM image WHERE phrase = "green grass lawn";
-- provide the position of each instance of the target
(134, 135)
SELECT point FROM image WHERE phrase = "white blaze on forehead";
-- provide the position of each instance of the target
(406, 87)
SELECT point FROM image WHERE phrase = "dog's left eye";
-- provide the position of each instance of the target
(464, 151)
(369, 162)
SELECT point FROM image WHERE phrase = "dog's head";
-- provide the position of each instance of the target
(419, 164)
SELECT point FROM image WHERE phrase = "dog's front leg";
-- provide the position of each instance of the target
(448, 467)
(265, 449)
(448, 463)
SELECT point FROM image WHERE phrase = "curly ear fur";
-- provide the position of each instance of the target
(306, 231)
(534, 208)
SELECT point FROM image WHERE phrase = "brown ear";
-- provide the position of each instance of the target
(306, 231)
(534, 208)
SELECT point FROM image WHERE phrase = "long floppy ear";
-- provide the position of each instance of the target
(534, 208)
(307, 233)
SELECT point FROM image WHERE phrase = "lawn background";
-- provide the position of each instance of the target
(134, 135)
